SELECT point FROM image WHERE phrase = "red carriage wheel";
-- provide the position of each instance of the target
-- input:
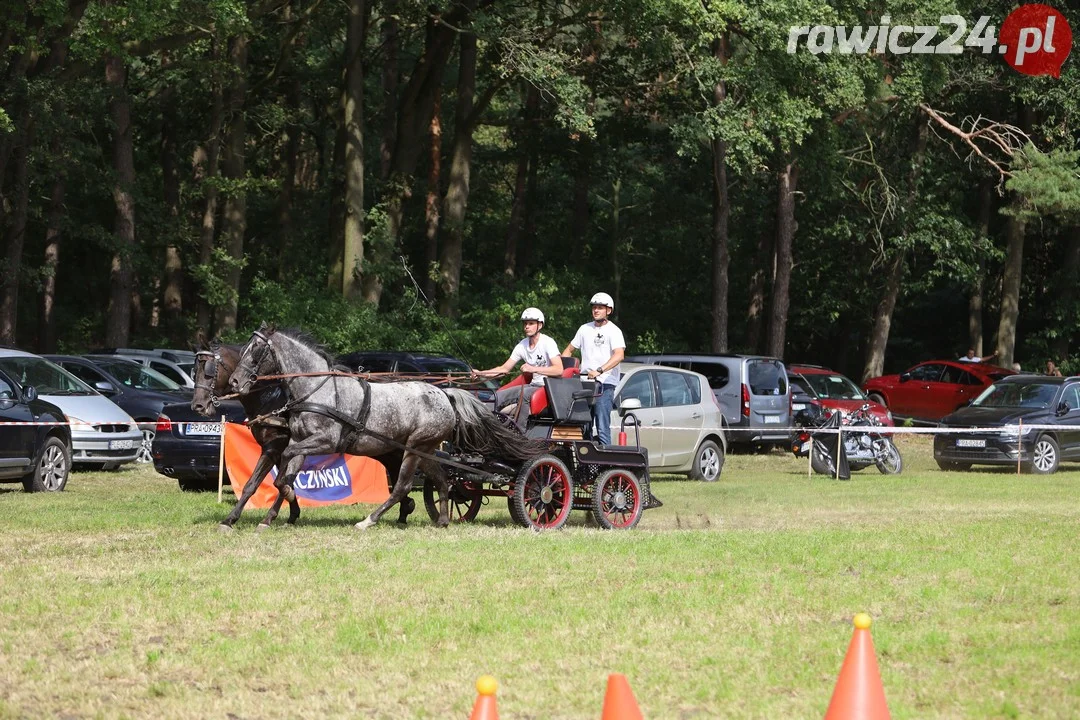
(617, 500)
(543, 493)
(464, 501)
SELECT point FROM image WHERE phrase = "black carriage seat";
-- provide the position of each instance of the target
(569, 401)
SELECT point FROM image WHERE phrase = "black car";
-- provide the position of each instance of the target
(139, 391)
(1034, 414)
(38, 456)
(187, 445)
(406, 362)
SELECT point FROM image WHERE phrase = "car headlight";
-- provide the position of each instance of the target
(888, 414)
(79, 424)
(1016, 430)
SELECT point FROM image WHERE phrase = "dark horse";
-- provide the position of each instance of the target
(401, 424)
(213, 366)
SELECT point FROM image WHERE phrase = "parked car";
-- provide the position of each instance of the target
(38, 456)
(833, 391)
(102, 434)
(395, 361)
(186, 445)
(140, 391)
(682, 424)
(1014, 404)
(752, 391)
(177, 365)
(931, 390)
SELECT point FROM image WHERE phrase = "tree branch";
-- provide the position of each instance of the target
(996, 137)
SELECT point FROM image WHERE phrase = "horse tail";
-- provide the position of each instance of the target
(479, 430)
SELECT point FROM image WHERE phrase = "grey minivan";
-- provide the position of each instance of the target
(753, 392)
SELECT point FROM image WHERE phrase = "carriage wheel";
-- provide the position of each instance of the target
(464, 501)
(544, 493)
(512, 507)
(617, 500)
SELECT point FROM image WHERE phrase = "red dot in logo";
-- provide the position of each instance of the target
(1036, 39)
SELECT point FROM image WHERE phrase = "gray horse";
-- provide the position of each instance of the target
(401, 424)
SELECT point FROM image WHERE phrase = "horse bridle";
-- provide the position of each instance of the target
(253, 368)
(211, 368)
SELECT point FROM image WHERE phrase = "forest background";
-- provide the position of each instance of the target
(398, 174)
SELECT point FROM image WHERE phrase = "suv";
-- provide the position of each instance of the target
(393, 361)
(752, 391)
(177, 365)
(36, 450)
(1038, 418)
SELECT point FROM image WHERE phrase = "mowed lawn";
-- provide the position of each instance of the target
(119, 598)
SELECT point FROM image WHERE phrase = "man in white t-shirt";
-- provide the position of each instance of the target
(602, 349)
(541, 357)
(972, 357)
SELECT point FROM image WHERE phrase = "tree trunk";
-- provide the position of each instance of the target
(785, 234)
(431, 202)
(616, 269)
(1012, 274)
(975, 300)
(389, 86)
(1067, 294)
(284, 208)
(528, 235)
(118, 322)
(16, 237)
(721, 257)
(336, 225)
(352, 107)
(234, 219)
(173, 295)
(205, 164)
(759, 284)
(879, 336)
(517, 217)
(53, 235)
(579, 219)
(457, 191)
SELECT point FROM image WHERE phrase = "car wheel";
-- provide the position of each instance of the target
(51, 469)
(708, 462)
(877, 398)
(146, 449)
(949, 465)
(1044, 456)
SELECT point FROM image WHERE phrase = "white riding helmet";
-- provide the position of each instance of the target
(602, 298)
(532, 313)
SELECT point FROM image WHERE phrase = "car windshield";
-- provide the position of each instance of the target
(833, 387)
(1016, 395)
(137, 376)
(44, 376)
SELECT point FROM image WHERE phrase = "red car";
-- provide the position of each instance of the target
(834, 391)
(933, 389)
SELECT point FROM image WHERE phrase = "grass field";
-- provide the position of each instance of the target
(118, 598)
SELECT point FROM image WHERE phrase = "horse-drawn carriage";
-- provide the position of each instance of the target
(465, 453)
(610, 482)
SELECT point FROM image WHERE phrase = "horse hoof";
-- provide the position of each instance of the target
(262, 527)
(223, 528)
(363, 524)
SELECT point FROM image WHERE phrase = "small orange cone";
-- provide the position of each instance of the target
(619, 702)
(859, 694)
(485, 708)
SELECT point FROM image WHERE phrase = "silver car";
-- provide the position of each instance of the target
(681, 422)
(102, 434)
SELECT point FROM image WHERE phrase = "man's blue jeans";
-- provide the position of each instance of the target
(601, 412)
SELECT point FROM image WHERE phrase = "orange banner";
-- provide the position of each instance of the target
(323, 479)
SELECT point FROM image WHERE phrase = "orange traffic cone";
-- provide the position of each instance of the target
(619, 702)
(485, 708)
(859, 694)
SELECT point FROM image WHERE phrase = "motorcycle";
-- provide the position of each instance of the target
(861, 446)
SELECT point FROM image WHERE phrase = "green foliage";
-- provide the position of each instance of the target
(1047, 184)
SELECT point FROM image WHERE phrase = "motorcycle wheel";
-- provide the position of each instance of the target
(821, 461)
(890, 462)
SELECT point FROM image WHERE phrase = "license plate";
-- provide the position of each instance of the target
(966, 442)
(798, 406)
(772, 419)
(121, 444)
(204, 428)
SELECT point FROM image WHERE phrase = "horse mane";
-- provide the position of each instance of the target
(308, 340)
